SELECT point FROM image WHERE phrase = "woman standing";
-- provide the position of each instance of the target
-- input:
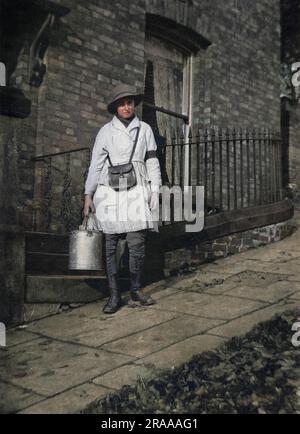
(124, 212)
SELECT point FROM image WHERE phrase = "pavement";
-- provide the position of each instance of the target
(63, 363)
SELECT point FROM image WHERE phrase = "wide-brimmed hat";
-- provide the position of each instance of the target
(123, 91)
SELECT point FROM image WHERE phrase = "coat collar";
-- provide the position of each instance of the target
(119, 125)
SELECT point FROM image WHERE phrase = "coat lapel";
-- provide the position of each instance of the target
(119, 125)
(135, 123)
(116, 123)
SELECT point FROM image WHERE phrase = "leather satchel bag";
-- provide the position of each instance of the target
(123, 176)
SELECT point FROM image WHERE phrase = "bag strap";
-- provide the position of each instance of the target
(109, 158)
(133, 150)
(135, 143)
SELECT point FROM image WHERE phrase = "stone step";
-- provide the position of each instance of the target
(46, 263)
(48, 254)
(47, 243)
(66, 289)
(53, 264)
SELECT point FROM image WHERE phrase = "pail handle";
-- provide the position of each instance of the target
(83, 227)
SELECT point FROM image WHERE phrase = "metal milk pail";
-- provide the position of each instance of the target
(85, 248)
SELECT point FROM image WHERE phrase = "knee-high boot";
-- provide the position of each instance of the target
(136, 244)
(115, 300)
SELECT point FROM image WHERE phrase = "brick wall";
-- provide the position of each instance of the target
(237, 77)
(100, 43)
(183, 260)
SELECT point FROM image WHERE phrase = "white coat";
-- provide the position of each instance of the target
(124, 211)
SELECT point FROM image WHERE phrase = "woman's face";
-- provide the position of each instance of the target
(126, 108)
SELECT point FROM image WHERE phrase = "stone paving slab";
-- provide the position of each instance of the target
(19, 336)
(48, 367)
(34, 311)
(218, 287)
(181, 352)
(105, 328)
(270, 294)
(125, 375)
(291, 267)
(291, 244)
(207, 270)
(255, 278)
(271, 255)
(296, 296)
(198, 278)
(255, 265)
(294, 278)
(279, 250)
(242, 325)
(158, 295)
(228, 285)
(14, 398)
(222, 270)
(209, 306)
(158, 337)
(69, 402)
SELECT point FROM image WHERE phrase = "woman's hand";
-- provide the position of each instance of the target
(88, 205)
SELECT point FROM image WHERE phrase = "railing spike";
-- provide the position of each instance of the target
(264, 132)
(181, 134)
(220, 133)
(173, 134)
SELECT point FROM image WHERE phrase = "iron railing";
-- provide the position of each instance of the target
(237, 168)
(59, 190)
